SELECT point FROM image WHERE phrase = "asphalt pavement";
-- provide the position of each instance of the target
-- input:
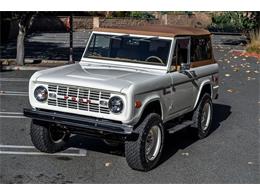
(230, 154)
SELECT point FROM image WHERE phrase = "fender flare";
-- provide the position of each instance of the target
(205, 82)
(150, 100)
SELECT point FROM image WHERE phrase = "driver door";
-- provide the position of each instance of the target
(182, 95)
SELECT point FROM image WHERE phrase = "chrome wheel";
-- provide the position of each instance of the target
(205, 116)
(153, 143)
(56, 136)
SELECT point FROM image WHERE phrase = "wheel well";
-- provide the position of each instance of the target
(152, 107)
(206, 89)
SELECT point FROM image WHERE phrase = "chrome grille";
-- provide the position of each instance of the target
(75, 98)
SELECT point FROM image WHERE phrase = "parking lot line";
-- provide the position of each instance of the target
(42, 154)
(16, 93)
(26, 147)
(14, 79)
(81, 152)
(11, 115)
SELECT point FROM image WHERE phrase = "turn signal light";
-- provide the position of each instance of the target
(138, 104)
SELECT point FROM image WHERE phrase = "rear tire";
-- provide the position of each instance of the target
(47, 138)
(144, 153)
(202, 116)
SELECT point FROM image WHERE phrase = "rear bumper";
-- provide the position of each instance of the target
(81, 124)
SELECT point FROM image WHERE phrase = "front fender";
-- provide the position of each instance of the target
(146, 100)
(205, 82)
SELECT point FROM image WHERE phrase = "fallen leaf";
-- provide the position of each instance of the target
(185, 154)
(107, 164)
(230, 90)
(236, 69)
(227, 75)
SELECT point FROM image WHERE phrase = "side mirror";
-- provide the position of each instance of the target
(184, 66)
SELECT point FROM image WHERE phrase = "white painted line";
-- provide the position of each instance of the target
(12, 113)
(40, 153)
(81, 152)
(29, 147)
(6, 94)
(16, 93)
(14, 146)
(1, 116)
(14, 79)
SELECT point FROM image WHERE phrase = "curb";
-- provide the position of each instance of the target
(24, 67)
(44, 65)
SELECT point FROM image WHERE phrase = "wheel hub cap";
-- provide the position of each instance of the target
(153, 143)
(205, 117)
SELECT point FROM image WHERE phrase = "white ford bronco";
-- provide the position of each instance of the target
(134, 86)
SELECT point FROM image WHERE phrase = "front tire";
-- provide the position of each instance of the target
(47, 138)
(144, 153)
(202, 116)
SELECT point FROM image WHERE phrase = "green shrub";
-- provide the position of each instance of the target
(238, 21)
(142, 15)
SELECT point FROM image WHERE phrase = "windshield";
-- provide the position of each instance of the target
(153, 51)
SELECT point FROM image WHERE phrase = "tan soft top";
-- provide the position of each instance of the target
(157, 30)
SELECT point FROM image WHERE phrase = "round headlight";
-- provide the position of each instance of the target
(116, 104)
(41, 94)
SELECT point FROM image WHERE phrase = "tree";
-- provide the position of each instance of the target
(25, 21)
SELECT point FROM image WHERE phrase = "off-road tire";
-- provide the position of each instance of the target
(197, 115)
(135, 150)
(41, 139)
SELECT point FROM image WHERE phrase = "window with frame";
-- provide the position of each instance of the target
(180, 54)
(201, 48)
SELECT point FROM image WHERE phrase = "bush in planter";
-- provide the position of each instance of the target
(234, 22)
(254, 45)
(142, 15)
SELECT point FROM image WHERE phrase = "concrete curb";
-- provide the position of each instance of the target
(12, 67)
(45, 64)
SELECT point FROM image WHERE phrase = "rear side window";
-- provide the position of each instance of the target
(200, 48)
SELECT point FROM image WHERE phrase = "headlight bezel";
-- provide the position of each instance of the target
(43, 91)
(113, 100)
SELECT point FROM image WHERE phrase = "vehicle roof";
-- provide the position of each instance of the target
(157, 30)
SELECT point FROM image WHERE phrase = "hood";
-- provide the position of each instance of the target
(111, 79)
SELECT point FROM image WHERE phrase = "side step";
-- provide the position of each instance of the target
(179, 127)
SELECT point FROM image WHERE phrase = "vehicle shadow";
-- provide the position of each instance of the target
(173, 142)
(186, 137)
(93, 144)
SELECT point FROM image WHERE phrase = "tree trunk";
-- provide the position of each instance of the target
(20, 46)
(25, 22)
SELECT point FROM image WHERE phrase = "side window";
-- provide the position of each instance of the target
(180, 54)
(201, 48)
